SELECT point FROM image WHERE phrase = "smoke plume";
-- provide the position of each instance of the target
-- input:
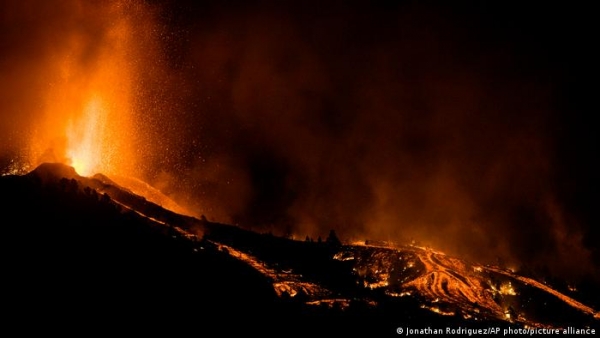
(450, 126)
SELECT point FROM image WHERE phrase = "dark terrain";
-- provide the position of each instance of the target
(83, 255)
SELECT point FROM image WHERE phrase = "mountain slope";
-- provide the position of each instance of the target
(89, 250)
(71, 255)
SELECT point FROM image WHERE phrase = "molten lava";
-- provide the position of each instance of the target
(88, 110)
(84, 137)
(92, 99)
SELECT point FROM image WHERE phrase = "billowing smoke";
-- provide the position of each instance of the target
(451, 126)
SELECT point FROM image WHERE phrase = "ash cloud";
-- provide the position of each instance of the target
(454, 126)
(393, 122)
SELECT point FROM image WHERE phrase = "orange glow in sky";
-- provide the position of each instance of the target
(88, 108)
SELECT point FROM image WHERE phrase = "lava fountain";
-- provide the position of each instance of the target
(84, 147)
(88, 109)
(91, 62)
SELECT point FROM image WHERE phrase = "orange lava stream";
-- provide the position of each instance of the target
(572, 302)
(447, 284)
(444, 279)
(283, 282)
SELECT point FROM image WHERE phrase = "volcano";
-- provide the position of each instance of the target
(87, 250)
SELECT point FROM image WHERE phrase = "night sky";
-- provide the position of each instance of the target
(466, 126)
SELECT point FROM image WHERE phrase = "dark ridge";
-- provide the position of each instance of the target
(84, 250)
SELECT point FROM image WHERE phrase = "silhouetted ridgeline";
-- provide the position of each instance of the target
(86, 250)
(71, 255)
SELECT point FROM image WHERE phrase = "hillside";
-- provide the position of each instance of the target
(88, 251)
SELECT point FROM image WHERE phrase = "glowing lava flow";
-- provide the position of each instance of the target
(284, 283)
(449, 286)
(444, 279)
(572, 302)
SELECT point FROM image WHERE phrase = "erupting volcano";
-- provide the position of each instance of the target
(386, 164)
(86, 117)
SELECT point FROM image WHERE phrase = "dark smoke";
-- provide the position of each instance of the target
(457, 126)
